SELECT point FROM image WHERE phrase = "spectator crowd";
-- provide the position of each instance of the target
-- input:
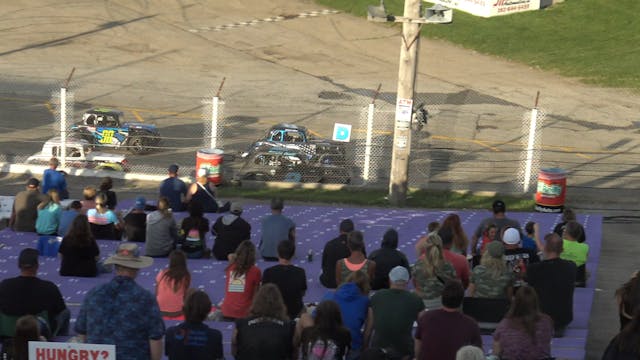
(512, 282)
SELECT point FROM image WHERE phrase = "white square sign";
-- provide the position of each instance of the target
(341, 132)
(404, 110)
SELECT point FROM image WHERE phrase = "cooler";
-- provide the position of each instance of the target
(209, 162)
(551, 191)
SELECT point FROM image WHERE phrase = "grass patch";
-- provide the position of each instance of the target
(593, 40)
(428, 199)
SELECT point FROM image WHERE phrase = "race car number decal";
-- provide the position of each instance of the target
(107, 136)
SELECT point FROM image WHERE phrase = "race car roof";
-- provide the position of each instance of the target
(106, 111)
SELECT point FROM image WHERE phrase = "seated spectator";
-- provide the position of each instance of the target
(516, 257)
(291, 280)
(162, 231)
(78, 250)
(460, 241)
(266, 333)
(489, 233)
(193, 339)
(104, 222)
(492, 278)
(357, 260)
(67, 216)
(333, 251)
(242, 280)
(327, 338)
(49, 212)
(172, 284)
(459, 262)
(525, 332)
(353, 299)
(275, 228)
(105, 188)
(554, 280)
(193, 230)
(386, 258)
(88, 198)
(470, 352)
(624, 346)
(431, 227)
(27, 329)
(135, 222)
(431, 271)
(567, 215)
(204, 191)
(25, 207)
(229, 231)
(628, 298)
(575, 251)
(442, 332)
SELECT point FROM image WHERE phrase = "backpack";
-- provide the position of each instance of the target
(319, 350)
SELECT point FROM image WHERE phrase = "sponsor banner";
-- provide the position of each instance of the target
(40, 350)
(489, 8)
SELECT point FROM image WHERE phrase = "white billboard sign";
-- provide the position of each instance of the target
(490, 8)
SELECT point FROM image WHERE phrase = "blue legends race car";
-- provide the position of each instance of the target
(106, 127)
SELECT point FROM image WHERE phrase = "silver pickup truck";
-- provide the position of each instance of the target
(79, 154)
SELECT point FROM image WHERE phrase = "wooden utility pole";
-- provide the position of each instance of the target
(398, 182)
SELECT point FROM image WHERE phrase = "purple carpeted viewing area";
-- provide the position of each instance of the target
(315, 226)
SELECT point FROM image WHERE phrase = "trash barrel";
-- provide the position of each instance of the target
(551, 191)
(209, 162)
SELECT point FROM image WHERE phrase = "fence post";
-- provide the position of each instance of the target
(532, 136)
(63, 127)
(367, 147)
(214, 122)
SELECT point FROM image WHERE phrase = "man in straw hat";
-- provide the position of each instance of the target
(121, 312)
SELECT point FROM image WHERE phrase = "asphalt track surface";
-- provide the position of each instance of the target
(159, 60)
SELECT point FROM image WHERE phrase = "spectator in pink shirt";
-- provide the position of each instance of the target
(458, 261)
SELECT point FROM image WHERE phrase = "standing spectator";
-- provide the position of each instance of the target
(525, 332)
(162, 231)
(333, 251)
(193, 230)
(624, 346)
(531, 239)
(492, 278)
(441, 333)
(290, 279)
(266, 333)
(353, 299)
(121, 312)
(575, 251)
(78, 250)
(67, 216)
(27, 329)
(628, 298)
(431, 271)
(49, 213)
(327, 338)
(275, 228)
(357, 260)
(104, 222)
(460, 242)
(27, 294)
(394, 312)
(568, 215)
(135, 222)
(554, 279)
(386, 258)
(25, 208)
(458, 261)
(172, 284)
(242, 279)
(174, 189)
(105, 188)
(88, 198)
(54, 179)
(229, 231)
(501, 221)
(205, 192)
(419, 246)
(193, 339)
(516, 257)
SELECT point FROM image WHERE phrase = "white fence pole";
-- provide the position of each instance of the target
(532, 135)
(367, 148)
(214, 122)
(63, 127)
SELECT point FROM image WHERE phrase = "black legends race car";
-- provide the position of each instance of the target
(294, 138)
(106, 127)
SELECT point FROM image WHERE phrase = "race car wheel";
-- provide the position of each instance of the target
(136, 145)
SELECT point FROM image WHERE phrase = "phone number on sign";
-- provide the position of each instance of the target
(513, 8)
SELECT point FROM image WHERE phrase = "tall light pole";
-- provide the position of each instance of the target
(411, 24)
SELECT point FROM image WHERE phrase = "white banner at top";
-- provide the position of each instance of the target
(490, 8)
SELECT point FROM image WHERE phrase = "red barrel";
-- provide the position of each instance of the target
(209, 162)
(552, 190)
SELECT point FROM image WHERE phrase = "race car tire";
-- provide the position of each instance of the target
(137, 145)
